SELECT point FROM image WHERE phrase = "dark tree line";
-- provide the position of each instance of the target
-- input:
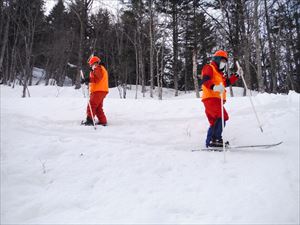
(151, 43)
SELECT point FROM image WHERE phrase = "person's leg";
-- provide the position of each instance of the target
(218, 125)
(99, 111)
(209, 136)
(211, 111)
(94, 104)
(214, 115)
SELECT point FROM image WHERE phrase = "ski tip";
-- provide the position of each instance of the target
(275, 144)
(279, 143)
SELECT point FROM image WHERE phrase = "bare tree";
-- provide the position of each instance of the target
(151, 47)
(140, 47)
(29, 19)
(258, 48)
(273, 76)
(195, 50)
(175, 43)
(4, 41)
(81, 9)
(195, 74)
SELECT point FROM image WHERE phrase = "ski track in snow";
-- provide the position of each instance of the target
(140, 168)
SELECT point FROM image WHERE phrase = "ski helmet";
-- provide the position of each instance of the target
(218, 56)
(222, 54)
(94, 59)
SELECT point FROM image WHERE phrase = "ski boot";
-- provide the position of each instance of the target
(88, 122)
(218, 143)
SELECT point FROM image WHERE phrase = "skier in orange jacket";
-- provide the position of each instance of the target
(98, 85)
(214, 82)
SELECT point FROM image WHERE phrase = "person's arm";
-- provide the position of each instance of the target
(234, 76)
(96, 75)
(232, 79)
(207, 73)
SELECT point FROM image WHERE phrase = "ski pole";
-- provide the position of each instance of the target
(89, 104)
(222, 113)
(83, 92)
(82, 77)
(250, 97)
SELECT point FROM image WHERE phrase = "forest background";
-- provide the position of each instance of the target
(151, 44)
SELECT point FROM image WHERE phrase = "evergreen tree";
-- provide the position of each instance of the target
(58, 46)
(199, 40)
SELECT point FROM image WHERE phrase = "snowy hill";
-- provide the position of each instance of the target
(140, 168)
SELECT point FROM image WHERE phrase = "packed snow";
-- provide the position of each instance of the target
(140, 168)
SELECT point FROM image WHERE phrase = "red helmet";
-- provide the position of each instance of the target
(222, 54)
(94, 59)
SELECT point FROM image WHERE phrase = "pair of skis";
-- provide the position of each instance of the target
(239, 147)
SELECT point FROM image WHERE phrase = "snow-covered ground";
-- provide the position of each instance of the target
(140, 168)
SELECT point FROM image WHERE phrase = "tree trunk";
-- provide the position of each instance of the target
(195, 50)
(140, 50)
(260, 78)
(297, 52)
(289, 80)
(162, 67)
(151, 50)
(245, 44)
(80, 55)
(175, 46)
(140, 63)
(136, 65)
(29, 33)
(195, 73)
(158, 74)
(4, 42)
(273, 76)
(28, 71)
(82, 15)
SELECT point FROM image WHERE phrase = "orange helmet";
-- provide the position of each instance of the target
(94, 59)
(222, 54)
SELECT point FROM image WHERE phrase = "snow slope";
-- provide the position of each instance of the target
(140, 168)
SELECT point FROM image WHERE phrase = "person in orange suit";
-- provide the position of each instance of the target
(98, 87)
(214, 82)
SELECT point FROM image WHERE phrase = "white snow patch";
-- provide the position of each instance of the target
(140, 168)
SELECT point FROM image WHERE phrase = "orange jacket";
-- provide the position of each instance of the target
(99, 79)
(211, 77)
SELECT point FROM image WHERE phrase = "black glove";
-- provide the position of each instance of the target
(85, 80)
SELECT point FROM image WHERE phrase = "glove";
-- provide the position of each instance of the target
(85, 80)
(219, 88)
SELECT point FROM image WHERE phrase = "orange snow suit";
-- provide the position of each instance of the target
(98, 89)
(99, 79)
(211, 99)
(215, 79)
